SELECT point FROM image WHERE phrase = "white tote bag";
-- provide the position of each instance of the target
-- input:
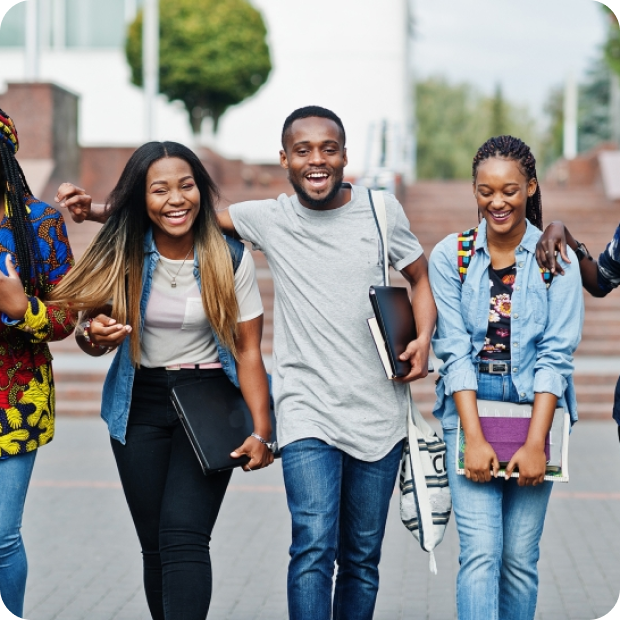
(425, 500)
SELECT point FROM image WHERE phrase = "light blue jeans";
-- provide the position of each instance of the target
(15, 475)
(339, 507)
(499, 526)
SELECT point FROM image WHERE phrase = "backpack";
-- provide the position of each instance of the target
(467, 248)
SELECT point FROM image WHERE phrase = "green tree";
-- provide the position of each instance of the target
(552, 142)
(213, 55)
(594, 106)
(499, 122)
(454, 120)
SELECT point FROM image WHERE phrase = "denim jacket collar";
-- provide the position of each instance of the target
(528, 241)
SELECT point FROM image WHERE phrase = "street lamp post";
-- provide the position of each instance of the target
(32, 40)
(613, 8)
(150, 64)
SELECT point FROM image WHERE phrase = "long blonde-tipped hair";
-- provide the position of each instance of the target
(110, 271)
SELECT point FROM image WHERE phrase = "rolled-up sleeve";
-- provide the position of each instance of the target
(451, 343)
(554, 361)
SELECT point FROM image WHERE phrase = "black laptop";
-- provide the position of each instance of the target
(216, 419)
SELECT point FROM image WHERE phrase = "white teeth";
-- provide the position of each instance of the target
(176, 214)
(318, 175)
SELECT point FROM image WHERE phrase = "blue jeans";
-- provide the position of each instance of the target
(15, 475)
(499, 526)
(338, 507)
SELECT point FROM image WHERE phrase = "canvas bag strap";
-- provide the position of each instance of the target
(417, 425)
(377, 204)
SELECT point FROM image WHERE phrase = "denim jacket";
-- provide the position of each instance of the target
(116, 398)
(545, 323)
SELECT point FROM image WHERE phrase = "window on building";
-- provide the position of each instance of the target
(72, 23)
(13, 29)
(93, 23)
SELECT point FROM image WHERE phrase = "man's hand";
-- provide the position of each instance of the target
(13, 300)
(553, 240)
(417, 352)
(75, 200)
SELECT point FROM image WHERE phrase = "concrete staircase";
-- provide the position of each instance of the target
(435, 209)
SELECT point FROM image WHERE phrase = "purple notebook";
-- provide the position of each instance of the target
(507, 435)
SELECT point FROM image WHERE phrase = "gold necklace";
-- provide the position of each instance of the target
(173, 282)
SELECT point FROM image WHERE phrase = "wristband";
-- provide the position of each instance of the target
(86, 333)
(581, 251)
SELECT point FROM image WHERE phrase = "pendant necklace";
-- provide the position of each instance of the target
(173, 282)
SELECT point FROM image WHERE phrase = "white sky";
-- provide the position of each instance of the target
(526, 45)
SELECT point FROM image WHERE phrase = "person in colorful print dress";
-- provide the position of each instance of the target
(34, 256)
(504, 333)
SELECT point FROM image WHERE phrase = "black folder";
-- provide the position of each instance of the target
(216, 420)
(396, 324)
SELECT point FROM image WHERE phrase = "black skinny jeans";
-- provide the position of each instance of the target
(173, 504)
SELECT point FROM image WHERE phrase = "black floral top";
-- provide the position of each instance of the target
(497, 341)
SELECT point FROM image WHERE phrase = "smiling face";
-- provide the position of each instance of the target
(501, 190)
(172, 204)
(315, 158)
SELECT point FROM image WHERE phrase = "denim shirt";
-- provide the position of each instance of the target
(116, 398)
(545, 322)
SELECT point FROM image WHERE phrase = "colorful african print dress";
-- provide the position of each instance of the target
(26, 382)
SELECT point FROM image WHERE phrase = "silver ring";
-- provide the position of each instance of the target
(546, 251)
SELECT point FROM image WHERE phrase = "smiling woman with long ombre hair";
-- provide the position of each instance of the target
(505, 332)
(158, 282)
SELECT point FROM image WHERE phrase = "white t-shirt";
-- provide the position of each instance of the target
(176, 329)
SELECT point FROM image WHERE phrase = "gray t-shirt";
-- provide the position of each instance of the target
(328, 381)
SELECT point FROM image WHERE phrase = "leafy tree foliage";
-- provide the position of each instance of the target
(594, 106)
(213, 54)
(455, 119)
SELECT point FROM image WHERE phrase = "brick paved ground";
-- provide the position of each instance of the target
(85, 561)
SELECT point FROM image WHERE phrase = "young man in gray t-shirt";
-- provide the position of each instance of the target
(340, 421)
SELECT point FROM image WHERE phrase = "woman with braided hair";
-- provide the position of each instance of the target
(505, 332)
(34, 256)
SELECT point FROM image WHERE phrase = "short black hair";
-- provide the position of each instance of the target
(310, 111)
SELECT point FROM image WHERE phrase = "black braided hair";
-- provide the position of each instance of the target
(14, 186)
(515, 149)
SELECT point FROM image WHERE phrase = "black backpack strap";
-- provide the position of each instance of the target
(236, 251)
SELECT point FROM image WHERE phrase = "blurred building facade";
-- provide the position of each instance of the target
(351, 56)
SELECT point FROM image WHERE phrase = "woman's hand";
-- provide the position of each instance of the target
(480, 460)
(532, 463)
(13, 300)
(553, 240)
(259, 453)
(75, 200)
(106, 332)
